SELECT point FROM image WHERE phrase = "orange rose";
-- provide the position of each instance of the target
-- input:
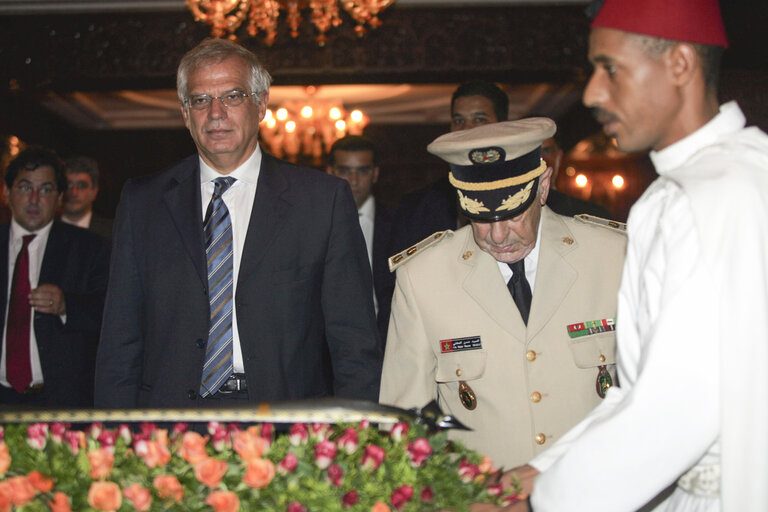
(192, 447)
(101, 462)
(5, 497)
(210, 471)
(259, 473)
(140, 498)
(223, 501)
(40, 482)
(105, 496)
(5, 458)
(249, 444)
(21, 490)
(380, 507)
(486, 466)
(168, 487)
(60, 503)
(156, 454)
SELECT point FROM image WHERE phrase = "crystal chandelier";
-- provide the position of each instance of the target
(308, 127)
(226, 16)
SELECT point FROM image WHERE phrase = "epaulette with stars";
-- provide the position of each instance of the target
(613, 225)
(403, 256)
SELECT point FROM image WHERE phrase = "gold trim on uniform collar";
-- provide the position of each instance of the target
(495, 185)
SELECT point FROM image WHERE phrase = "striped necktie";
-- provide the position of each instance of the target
(218, 249)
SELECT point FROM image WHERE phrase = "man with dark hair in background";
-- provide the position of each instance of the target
(355, 158)
(82, 188)
(53, 277)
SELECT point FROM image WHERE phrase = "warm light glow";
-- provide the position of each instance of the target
(306, 112)
(581, 181)
(341, 125)
(618, 181)
(271, 122)
(570, 171)
(268, 115)
(282, 114)
(290, 127)
(334, 113)
(356, 116)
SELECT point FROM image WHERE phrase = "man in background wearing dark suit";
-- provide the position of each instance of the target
(53, 278)
(235, 276)
(82, 189)
(355, 159)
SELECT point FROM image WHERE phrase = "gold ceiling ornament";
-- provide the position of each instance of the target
(309, 126)
(225, 17)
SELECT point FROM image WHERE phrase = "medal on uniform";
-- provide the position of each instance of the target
(467, 396)
(603, 382)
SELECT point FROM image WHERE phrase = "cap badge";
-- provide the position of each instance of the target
(471, 205)
(486, 155)
(516, 199)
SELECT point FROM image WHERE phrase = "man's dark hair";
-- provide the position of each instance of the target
(32, 158)
(709, 55)
(353, 143)
(492, 92)
(83, 164)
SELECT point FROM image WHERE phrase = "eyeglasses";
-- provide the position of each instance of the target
(228, 99)
(44, 191)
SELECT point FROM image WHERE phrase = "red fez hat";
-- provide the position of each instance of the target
(691, 21)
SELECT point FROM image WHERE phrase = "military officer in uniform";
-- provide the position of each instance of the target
(509, 321)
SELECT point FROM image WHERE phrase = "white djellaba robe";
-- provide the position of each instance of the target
(692, 336)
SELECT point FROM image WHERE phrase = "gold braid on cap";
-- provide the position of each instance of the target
(495, 185)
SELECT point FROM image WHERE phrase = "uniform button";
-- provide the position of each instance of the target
(602, 358)
(541, 438)
(535, 397)
(458, 373)
(192, 394)
(530, 355)
(200, 343)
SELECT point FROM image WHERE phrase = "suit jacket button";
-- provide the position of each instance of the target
(192, 394)
(200, 343)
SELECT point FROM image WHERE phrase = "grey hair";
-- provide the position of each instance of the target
(219, 50)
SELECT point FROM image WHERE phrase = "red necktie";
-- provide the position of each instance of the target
(18, 368)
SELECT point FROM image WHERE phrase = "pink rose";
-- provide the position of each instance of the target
(298, 434)
(419, 451)
(180, 428)
(36, 435)
(364, 424)
(107, 439)
(373, 457)
(267, 429)
(320, 431)
(349, 499)
(147, 428)
(288, 464)
(401, 496)
(427, 493)
(399, 431)
(220, 438)
(94, 430)
(58, 430)
(335, 474)
(75, 440)
(295, 506)
(348, 441)
(467, 471)
(325, 452)
(494, 490)
(124, 433)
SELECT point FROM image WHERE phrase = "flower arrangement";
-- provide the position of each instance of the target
(313, 467)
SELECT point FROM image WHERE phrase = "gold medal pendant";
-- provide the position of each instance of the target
(603, 382)
(467, 396)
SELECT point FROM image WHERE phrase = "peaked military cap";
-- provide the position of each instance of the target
(495, 167)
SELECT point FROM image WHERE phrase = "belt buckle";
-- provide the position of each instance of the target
(234, 384)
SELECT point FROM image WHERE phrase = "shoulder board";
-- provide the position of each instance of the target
(613, 225)
(403, 256)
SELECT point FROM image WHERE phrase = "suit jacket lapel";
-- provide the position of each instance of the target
(485, 285)
(269, 208)
(554, 275)
(184, 206)
(56, 245)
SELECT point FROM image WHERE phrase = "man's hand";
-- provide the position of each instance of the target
(524, 474)
(48, 298)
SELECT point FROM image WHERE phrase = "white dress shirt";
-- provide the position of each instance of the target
(239, 200)
(82, 222)
(36, 249)
(531, 262)
(367, 216)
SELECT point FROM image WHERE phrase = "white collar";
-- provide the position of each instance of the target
(247, 172)
(368, 208)
(17, 232)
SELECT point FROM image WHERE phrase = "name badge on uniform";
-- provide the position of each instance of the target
(591, 327)
(460, 344)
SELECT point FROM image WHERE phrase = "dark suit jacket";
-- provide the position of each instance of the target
(304, 278)
(102, 226)
(383, 279)
(76, 261)
(569, 206)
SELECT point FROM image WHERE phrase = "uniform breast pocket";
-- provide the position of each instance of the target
(594, 350)
(456, 366)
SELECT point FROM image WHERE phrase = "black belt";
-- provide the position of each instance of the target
(234, 384)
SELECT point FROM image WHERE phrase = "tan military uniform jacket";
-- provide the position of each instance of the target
(530, 384)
